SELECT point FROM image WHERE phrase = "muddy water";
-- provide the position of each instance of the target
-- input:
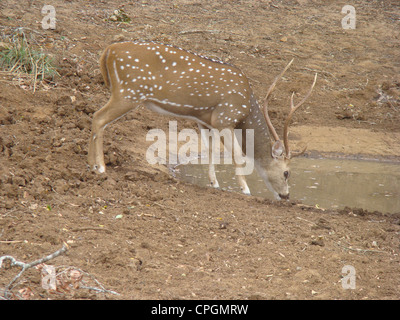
(326, 183)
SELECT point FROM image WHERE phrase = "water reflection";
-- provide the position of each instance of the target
(324, 182)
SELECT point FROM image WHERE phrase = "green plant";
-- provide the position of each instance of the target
(18, 56)
(119, 16)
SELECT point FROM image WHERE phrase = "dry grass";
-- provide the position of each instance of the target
(23, 64)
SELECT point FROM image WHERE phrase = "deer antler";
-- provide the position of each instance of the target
(289, 117)
(265, 103)
(293, 108)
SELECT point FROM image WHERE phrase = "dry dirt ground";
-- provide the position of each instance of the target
(145, 235)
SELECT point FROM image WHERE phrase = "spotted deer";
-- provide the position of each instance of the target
(216, 95)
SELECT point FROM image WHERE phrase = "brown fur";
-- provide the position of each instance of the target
(103, 67)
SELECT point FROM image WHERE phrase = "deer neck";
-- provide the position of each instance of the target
(262, 141)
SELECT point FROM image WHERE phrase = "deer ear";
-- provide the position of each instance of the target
(277, 149)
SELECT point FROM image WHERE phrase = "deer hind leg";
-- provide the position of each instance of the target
(112, 110)
(207, 142)
(234, 148)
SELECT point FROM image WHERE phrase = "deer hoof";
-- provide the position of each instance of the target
(214, 184)
(97, 168)
(246, 190)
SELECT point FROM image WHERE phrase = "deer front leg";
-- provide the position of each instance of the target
(211, 168)
(234, 148)
(95, 152)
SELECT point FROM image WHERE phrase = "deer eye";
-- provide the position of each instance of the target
(286, 174)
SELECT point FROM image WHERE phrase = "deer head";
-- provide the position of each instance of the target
(275, 170)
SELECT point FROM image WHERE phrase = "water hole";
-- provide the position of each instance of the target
(326, 183)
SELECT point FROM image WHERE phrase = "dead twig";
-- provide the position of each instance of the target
(165, 207)
(360, 250)
(310, 222)
(26, 266)
(11, 241)
(197, 31)
(81, 285)
(91, 229)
